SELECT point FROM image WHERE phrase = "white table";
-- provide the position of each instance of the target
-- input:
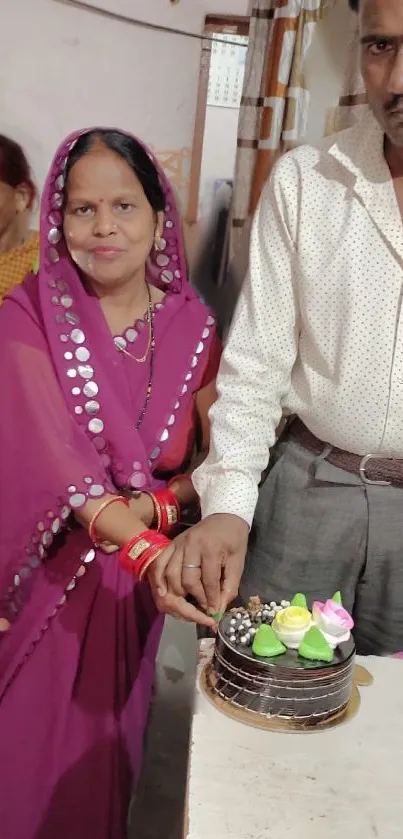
(343, 783)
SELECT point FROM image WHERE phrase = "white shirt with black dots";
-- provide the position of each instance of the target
(318, 329)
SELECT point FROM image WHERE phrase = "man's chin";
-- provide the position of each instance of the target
(395, 137)
(393, 127)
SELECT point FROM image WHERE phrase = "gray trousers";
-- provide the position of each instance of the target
(318, 530)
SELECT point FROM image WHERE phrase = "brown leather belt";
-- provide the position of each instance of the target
(372, 468)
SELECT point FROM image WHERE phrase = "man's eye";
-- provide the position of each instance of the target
(379, 47)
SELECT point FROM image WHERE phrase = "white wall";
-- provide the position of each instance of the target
(219, 151)
(325, 66)
(185, 14)
(68, 68)
(65, 68)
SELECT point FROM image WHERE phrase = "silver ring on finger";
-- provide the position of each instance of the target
(191, 565)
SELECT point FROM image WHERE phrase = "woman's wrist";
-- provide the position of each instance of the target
(142, 505)
(113, 521)
(167, 510)
(140, 553)
(106, 504)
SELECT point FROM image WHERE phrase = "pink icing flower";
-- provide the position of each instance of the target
(334, 621)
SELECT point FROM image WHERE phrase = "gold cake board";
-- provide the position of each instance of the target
(361, 678)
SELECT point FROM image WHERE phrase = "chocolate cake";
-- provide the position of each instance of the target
(284, 661)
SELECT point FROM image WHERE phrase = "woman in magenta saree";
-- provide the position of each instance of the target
(98, 399)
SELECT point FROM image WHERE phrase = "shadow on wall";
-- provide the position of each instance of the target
(325, 66)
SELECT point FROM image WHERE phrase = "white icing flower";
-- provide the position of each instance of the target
(334, 622)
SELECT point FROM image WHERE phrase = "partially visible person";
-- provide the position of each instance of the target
(19, 246)
(318, 334)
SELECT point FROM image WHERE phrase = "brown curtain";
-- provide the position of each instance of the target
(275, 100)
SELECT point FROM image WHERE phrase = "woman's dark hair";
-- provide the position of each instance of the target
(354, 5)
(132, 152)
(14, 167)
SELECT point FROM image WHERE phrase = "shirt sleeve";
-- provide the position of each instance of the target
(260, 352)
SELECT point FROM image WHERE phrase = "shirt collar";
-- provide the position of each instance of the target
(351, 148)
(360, 150)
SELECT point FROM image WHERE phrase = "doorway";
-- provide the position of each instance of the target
(221, 79)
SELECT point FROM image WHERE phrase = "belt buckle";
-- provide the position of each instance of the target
(364, 462)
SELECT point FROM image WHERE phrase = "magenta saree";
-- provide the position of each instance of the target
(78, 639)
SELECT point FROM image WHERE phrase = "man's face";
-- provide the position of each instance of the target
(381, 33)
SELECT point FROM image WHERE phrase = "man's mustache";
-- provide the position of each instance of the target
(395, 103)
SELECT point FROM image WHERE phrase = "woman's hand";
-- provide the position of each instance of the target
(205, 561)
(170, 603)
(107, 548)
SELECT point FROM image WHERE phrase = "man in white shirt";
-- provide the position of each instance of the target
(318, 334)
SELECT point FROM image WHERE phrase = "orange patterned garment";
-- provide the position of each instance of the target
(16, 264)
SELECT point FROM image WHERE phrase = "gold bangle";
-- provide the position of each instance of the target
(157, 510)
(109, 501)
(139, 548)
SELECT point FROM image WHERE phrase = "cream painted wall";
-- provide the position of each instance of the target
(219, 152)
(184, 14)
(65, 68)
(325, 66)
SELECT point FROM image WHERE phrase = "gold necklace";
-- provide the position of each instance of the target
(149, 319)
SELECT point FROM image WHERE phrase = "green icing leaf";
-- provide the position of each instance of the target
(337, 598)
(299, 600)
(215, 615)
(266, 644)
(35, 266)
(314, 646)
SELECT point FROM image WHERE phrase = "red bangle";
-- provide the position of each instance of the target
(167, 510)
(91, 529)
(147, 559)
(138, 554)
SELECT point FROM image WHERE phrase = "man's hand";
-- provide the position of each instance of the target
(170, 603)
(207, 562)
